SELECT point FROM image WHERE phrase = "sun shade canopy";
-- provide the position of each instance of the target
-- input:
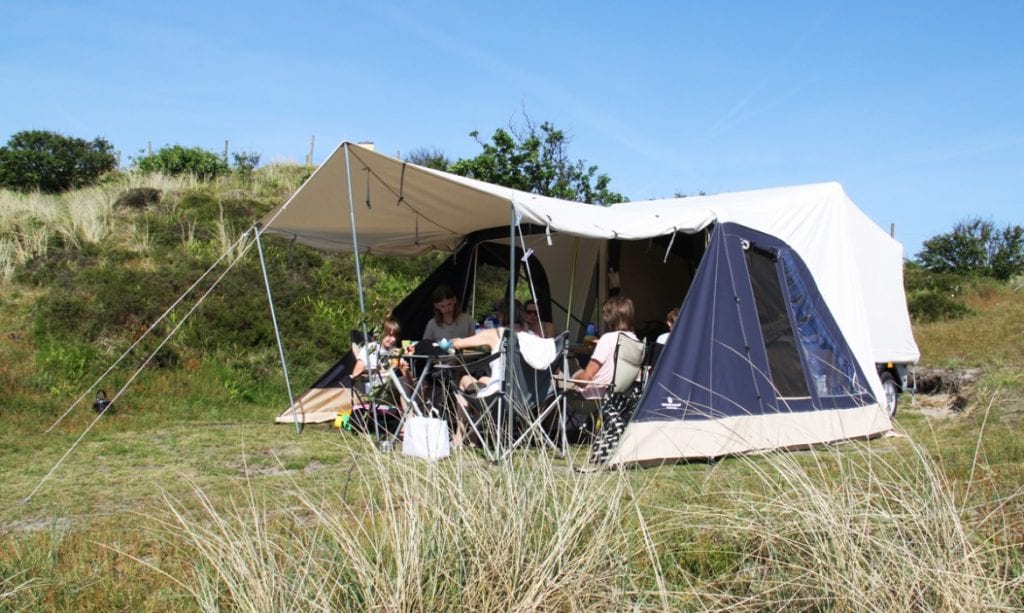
(404, 209)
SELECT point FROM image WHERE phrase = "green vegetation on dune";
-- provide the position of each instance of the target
(187, 496)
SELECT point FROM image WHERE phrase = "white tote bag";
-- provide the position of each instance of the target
(427, 438)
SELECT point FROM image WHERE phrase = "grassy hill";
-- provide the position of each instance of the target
(187, 496)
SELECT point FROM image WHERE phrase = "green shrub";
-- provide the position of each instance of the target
(178, 160)
(976, 247)
(138, 198)
(916, 278)
(931, 305)
(51, 162)
(57, 267)
(62, 366)
(108, 297)
(934, 296)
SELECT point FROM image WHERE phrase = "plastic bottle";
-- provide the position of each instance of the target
(591, 329)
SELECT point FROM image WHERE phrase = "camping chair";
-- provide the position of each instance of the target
(517, 411)
(651, 355)
(628, 362)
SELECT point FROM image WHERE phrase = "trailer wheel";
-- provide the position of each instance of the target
(892, 392)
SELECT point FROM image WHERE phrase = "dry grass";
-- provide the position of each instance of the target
(31, 223)
(849, 528)
(322, 522)
(398, 535)
(886, 534)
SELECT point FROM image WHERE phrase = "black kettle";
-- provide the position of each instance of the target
(101, 403)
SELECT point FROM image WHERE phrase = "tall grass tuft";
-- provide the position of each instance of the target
(227, 238)
(395, 534)
(26, 225)
(846, 528)
(31, 221)
(849, 530)
(89, 213)
(156, 180)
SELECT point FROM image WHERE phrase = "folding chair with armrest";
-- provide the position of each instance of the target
(513, 413)
(628, 361)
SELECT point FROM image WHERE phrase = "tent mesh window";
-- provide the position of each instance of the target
(828, 362)
(779, 339)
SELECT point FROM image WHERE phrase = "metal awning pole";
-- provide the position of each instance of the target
(476, 273)
(572, 282)
(277, 333)
(359, 279)
(510, 323)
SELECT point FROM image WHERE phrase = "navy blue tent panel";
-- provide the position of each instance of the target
(754, 337)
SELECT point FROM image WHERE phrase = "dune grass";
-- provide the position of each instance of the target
(253, 517)
(33, 223)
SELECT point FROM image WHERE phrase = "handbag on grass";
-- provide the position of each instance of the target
(426, 438)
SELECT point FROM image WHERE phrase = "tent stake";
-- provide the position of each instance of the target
(277, 332)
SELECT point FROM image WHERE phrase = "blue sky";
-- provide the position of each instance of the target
(917, 108)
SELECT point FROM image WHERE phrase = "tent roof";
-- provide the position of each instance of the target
(400, 208)
(413, 209)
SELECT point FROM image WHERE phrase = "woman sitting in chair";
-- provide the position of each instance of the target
(501, 311)
(534, 323)
(490, 338)
(533, 348)
(480, 386)
(535, 351)
(617, 314)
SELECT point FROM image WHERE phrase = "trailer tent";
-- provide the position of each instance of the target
(838, 290)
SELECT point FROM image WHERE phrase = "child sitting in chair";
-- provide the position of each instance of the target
(374, 360)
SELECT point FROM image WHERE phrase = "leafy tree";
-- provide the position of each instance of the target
(976, 247)
(52, 162)
(178, 160)
(934, 296)
(431, 158)
(536, 159)
(246, 162)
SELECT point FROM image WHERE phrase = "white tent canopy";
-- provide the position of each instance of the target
(413, 209)
(404, 209)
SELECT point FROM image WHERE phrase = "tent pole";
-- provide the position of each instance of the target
(277, 333)
(511, 325)
(527, 253)
(359, 280)
(602, 276)
(572, 282)
(476, 272)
